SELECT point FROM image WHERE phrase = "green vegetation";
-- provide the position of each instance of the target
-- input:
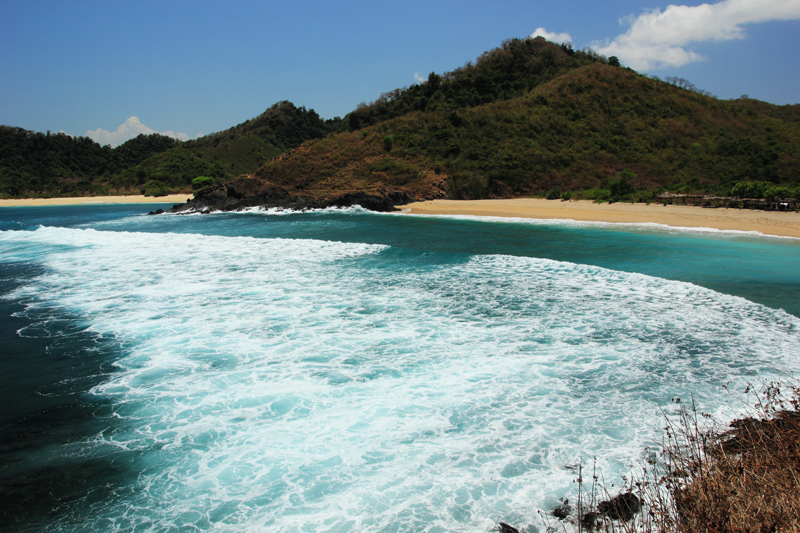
(597, 131)
(553, 194)
(762, 189)
(201, 182)
(507, 72)
(154, 188)
(528, 118)
(60, 165)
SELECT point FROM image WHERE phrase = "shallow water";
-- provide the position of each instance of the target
(351, 371)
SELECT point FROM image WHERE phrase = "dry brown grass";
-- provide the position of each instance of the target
(739, 478)
(744, 478)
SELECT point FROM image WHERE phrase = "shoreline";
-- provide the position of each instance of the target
(89, 200)
(774, 223)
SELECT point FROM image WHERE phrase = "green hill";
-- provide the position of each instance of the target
(528, 118)
(507, 72)
(35, 164)
(53, 164)
(227, 154)
(588, 128)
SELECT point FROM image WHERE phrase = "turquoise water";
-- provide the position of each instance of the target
(351, 371)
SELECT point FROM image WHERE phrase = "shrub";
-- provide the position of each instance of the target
(738, 477)
(750, 189)
(566, 195)
(621, 188)
(553, 194)
(467, 187)
(201, 182)
(153, 188)
(388, 142)
(777, 192)
(395, 172)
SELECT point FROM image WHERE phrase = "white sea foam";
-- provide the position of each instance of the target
(300, 385)
(281, 211)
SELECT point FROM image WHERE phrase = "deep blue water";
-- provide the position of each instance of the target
(352, 371)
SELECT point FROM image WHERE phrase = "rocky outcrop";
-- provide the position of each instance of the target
(246, 191)
(385, 202)
(621, 507)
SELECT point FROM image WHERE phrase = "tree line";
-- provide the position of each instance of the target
(49, 164)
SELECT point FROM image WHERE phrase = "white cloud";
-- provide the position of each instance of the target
(656, 39)
(419, 77)
(130, 129)
(553, 37)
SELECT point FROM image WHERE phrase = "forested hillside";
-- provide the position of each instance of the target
(594, 129)
(507, 72)
(33, 164)
(528, 118)
(31, 161)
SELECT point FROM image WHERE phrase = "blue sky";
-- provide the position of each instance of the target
(194, 67)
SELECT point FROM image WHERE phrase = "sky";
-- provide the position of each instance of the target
(112, 69)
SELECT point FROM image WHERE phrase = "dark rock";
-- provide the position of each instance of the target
(505, 528)
(562, 511)
(621, 507)
(156, 212)
(373, 202)
(747, 431)
(590, 521)
(245, 191)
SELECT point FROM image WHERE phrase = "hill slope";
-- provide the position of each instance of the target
(35, 164)
(597, 128)
(528, 118)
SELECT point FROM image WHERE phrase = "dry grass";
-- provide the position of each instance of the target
(739, 478)
(744, 478)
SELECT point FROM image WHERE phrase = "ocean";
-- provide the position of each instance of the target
(347, 371)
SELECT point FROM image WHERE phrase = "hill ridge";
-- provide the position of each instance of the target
(603, 130)
(527, 118)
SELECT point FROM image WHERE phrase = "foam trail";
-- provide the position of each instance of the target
(287, 385)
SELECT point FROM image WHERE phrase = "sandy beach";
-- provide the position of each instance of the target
(766, 222)
(87, 200)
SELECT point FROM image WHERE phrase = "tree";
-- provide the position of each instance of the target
(154, 188)
(201, 182)
(613, 61)
(434, 80)
(553, 194)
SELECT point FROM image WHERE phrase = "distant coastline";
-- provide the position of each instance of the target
(89, 200)
(776, 223)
